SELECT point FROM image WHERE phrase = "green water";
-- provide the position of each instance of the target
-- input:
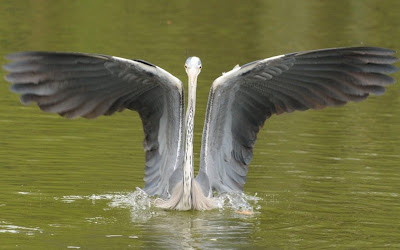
(324, 179)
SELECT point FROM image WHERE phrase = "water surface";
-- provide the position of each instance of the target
(318, 179)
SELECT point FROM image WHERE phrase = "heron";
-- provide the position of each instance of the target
(240, 101)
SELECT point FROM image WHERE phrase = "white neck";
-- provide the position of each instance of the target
(188, 161)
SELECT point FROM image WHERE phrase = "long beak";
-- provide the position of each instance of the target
(192, 75)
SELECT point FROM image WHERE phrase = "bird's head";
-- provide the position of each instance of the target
(193, 68)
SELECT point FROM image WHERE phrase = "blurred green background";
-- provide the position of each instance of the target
(326, 179)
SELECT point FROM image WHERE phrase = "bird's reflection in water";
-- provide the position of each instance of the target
(198, 230)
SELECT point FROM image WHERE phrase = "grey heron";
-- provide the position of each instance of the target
(89, 85)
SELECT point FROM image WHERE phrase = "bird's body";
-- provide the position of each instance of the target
(89, 85)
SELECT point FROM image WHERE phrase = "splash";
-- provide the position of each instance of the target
(138, 200)
(239, 202)
(139, 203)
(142, 205)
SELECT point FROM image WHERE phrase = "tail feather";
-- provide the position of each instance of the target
(199, 201)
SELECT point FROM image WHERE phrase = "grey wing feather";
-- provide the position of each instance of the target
(241, 100)
(90, 85)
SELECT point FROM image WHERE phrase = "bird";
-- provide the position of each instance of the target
(240, 101)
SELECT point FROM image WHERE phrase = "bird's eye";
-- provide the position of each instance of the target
(185, 67)
(200, 67)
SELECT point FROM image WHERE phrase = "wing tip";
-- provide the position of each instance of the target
(10, 78)
(23, 55)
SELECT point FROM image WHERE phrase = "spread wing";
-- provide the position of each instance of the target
(241, 100)
(90, 85)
